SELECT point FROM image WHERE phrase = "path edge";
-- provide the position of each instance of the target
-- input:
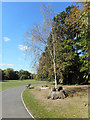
(25, 105)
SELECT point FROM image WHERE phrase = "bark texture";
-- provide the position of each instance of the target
(54, 94)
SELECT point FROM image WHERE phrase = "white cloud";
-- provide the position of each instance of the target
(6, 64)
(6, 39)
(23, 47)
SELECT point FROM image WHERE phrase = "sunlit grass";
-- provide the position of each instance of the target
(41, 107)
(34, 106)
(16, 83)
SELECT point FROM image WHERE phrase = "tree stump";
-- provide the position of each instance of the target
(60, 94)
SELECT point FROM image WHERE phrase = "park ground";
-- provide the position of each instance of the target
(74, 106)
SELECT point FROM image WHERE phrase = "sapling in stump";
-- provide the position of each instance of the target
(57, 94)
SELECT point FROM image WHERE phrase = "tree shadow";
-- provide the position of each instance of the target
(76, 91)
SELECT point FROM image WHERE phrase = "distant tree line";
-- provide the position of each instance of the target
(10, 74)
(72, 47)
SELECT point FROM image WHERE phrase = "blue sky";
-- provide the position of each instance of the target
(17, 18)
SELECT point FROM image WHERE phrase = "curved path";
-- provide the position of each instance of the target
(12, 106)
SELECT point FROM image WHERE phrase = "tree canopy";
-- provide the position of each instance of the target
(71, 43)
(10, 74)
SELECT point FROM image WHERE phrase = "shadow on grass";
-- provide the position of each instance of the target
(76, 90)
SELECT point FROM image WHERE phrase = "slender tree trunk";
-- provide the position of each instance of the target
(54, 61)
(55, 70)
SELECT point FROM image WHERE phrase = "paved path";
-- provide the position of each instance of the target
(12, 106)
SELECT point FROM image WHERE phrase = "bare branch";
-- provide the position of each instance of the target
(39, 35)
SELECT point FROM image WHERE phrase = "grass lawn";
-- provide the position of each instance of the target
(74, 106)
(16, 83)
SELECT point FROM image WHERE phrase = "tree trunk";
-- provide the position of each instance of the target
(54, 62)
(55, 70)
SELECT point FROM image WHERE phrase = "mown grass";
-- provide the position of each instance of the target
(16, 83)
(34, 106)
(70, 107)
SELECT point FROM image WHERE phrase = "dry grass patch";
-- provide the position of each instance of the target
(74, 106)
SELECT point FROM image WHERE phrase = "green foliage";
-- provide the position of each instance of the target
(23, 77)
(26, 74)
(10, 74)
(72, 49)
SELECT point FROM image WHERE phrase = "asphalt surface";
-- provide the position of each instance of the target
(12, 106)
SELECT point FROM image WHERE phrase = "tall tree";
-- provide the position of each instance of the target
(10, 74)
(68, 46)
(79, 18)
(40, 34)
(64, 42)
